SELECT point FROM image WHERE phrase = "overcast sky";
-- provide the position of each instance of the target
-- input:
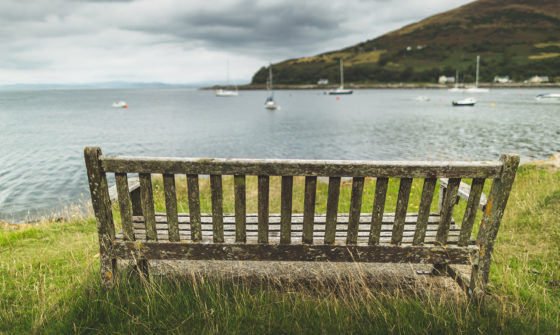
(179, 41)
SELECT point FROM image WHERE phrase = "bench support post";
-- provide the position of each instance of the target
(493, 213)
(103, 214)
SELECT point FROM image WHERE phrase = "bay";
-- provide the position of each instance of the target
(43, 132)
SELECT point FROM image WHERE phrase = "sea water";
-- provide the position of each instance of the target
(43, 132)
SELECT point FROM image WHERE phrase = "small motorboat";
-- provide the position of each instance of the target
(548, 96)
(422, 98)
(226, 93)
(464, 102)
(120, 104)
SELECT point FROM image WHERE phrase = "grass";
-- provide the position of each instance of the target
(49, 282)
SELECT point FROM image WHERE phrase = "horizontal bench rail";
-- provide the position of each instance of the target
(295, 167)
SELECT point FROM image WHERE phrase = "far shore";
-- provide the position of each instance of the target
(381, 86)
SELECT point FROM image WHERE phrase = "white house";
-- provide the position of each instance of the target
(538, 79)
(446, 80)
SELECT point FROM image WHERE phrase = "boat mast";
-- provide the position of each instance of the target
(270, 79)
(477, 67)
(341, 74)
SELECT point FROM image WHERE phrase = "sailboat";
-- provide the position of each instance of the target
(456, 87)
(270, 103)
(340, 90)
(226, 92)
(476, 89)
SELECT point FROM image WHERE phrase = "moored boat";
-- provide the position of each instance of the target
(464, 102)
(340, 90)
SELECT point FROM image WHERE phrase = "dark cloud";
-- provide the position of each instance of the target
(181, 41)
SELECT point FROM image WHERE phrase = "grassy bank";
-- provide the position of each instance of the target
(49, 282)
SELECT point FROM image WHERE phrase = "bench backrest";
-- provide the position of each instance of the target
(502, 172)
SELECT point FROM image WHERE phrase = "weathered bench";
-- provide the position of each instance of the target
(399, 237)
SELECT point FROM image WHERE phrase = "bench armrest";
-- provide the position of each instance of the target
(464, 191)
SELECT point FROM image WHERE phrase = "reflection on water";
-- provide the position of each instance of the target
(43, 132)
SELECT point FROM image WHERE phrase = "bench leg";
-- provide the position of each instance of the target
(440, 270)
(108, 271)
(141, 268)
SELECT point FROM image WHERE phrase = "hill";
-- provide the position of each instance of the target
(517, 38)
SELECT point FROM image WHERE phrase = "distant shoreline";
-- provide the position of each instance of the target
(380, 86)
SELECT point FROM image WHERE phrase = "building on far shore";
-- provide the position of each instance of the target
(446, 80)
(537, 79)
(323, 81)
(502, 79)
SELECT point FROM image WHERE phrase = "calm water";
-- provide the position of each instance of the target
(43, 133)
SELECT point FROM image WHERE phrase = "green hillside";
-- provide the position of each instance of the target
(518, 38)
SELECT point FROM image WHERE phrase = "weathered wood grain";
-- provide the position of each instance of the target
(294, 252)
(284, 167)
(491, 220)
(194, 206)
(332, 209)
(217, 208)
(309, 208)
(400, 212)
(424, 209)
(378, 209)
(240, 207)
(286, 209)
(147, 196)
(171, 206)
(355, 208)
(263, 199)
(470, 211)
(447, 210)
(103, 214)
(125, 205)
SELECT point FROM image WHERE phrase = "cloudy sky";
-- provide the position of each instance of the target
(184, 41)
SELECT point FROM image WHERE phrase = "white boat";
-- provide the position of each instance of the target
(464, 102)
(422, 98)
(340, 89)
(270, 103)
(548, 96)
(476, 89)
(120, 104)
(226, 92)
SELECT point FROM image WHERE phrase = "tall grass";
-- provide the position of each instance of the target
(49, 283)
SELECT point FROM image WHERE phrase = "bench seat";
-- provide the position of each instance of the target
(297, 226)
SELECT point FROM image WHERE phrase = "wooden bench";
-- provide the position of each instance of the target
(399, 237)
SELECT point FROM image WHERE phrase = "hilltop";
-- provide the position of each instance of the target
(515, 38)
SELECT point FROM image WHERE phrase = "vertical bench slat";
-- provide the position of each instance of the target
(470, 211)
(147, 195)
(332, 209)
(171, 206)
(125, 206)
(309, 209)
(263, 195)
(355, 209)
(378, 209)
(449, 202)
(240, 208)
(400, 211)
(424, 210)
(194, 207)
(286, 210)
(217, 208)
